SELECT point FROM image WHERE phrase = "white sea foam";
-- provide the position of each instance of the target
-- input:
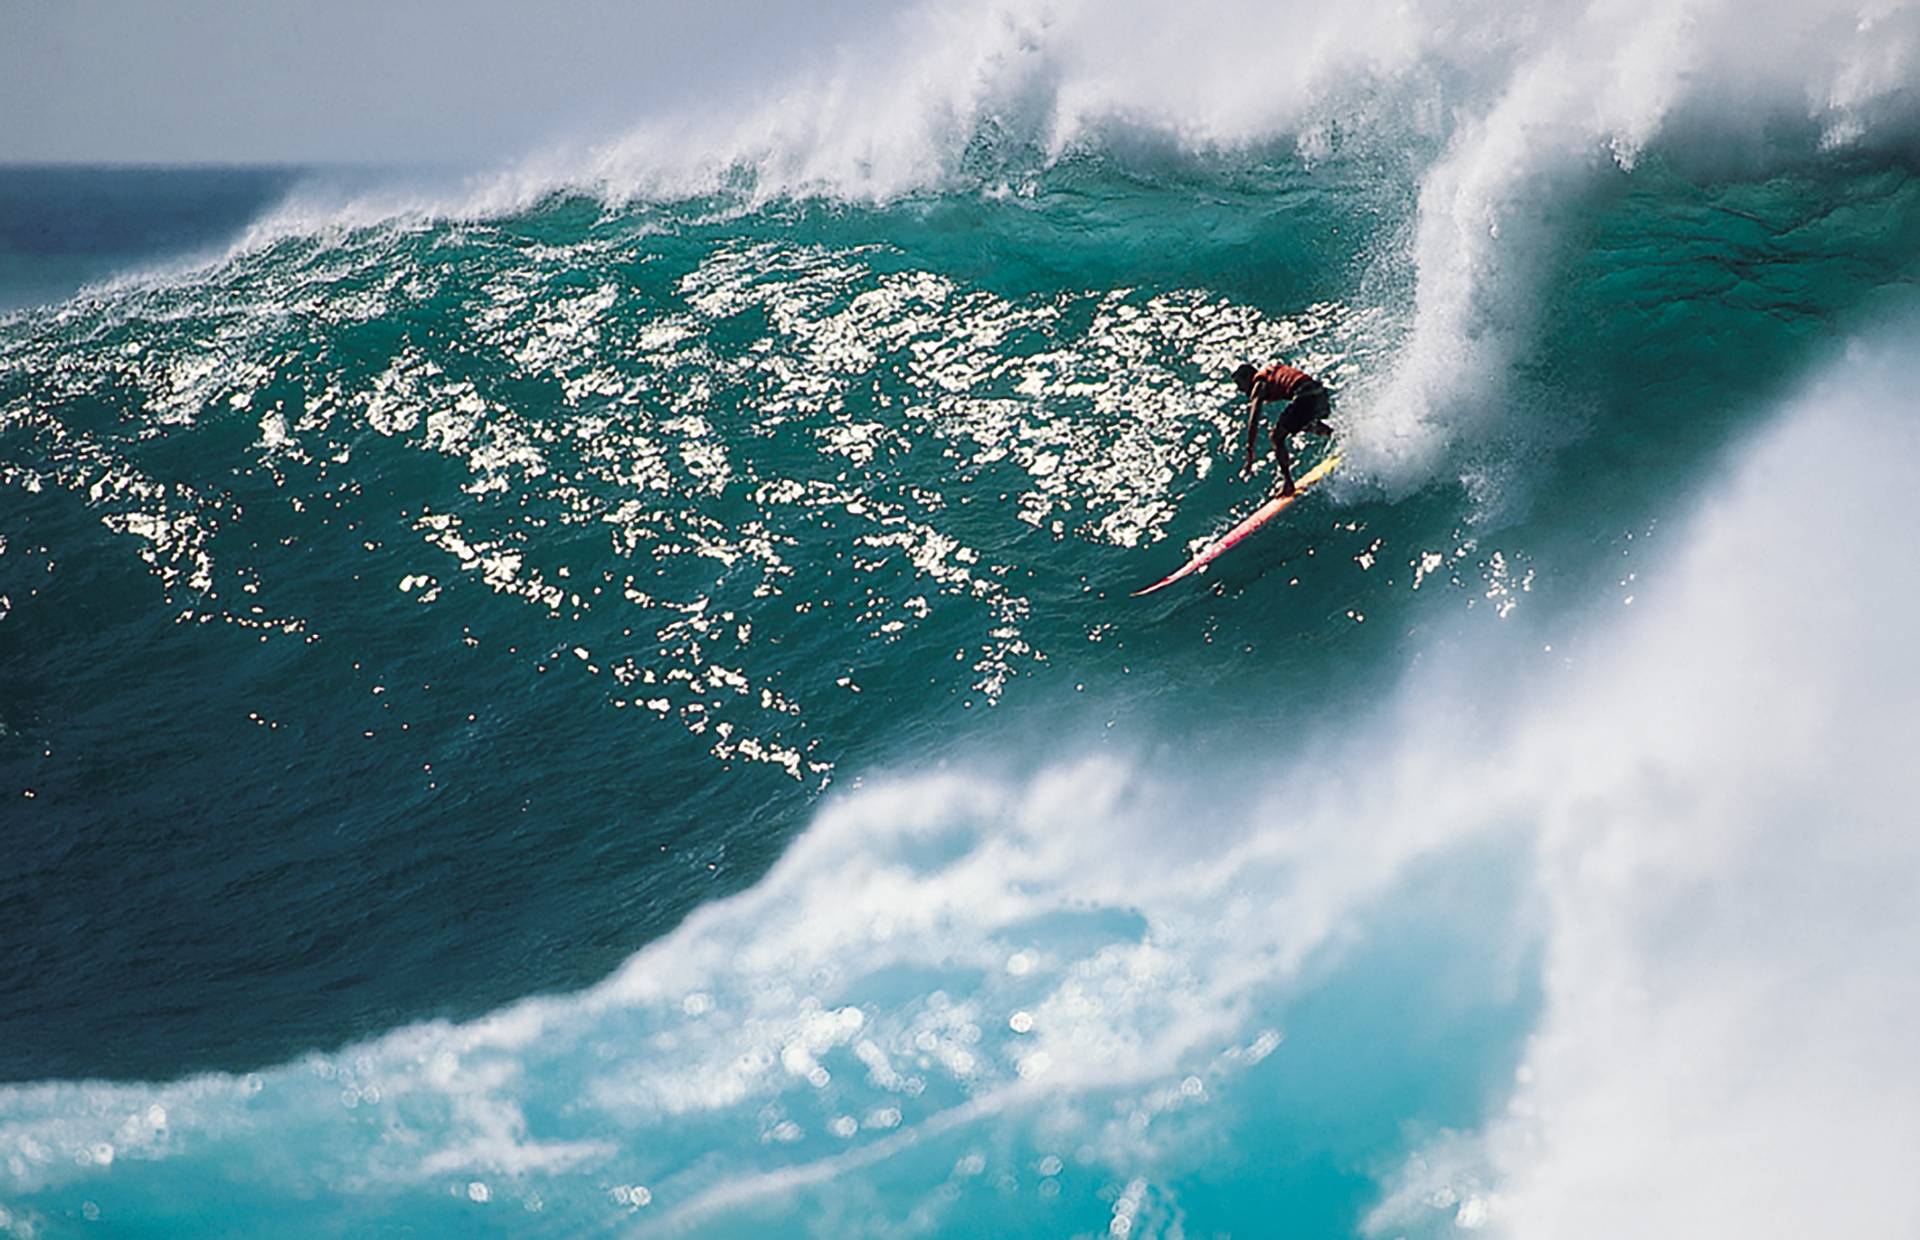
(1726, 856)
(946, 91)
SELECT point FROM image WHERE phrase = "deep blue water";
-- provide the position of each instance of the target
(63, 226)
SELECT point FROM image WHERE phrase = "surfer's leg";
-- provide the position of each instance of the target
(1292, 420)
(1280, 455)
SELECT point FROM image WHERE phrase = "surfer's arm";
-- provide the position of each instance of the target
(1253, 430)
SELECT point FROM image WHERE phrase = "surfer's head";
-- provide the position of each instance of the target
(1243, 376)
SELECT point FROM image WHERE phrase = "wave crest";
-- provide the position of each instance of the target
(1500, 116)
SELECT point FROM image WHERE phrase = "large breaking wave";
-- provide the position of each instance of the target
(1525, 853)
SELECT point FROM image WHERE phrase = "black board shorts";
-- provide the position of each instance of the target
(1309, 405)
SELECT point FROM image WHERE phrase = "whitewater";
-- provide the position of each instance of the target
(600, 693)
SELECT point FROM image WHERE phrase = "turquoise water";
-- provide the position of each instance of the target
(710, 614)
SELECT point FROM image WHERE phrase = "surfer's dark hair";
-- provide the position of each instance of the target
(1243, 373)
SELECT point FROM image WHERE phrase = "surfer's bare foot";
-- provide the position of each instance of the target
(1288, 489)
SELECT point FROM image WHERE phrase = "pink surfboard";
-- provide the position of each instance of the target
(1238, 534)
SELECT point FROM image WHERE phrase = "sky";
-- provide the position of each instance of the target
(377, 81)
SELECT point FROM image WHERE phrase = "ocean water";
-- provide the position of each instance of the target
(605, 696)
(62, 227)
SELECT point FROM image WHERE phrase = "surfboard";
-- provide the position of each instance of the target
(1238, 534)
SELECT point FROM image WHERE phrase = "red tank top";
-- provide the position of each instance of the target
(1280, 381)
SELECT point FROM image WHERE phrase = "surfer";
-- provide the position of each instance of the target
(1308, 407)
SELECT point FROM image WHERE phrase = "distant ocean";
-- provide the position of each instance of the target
(63, 227)
(605, 696)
